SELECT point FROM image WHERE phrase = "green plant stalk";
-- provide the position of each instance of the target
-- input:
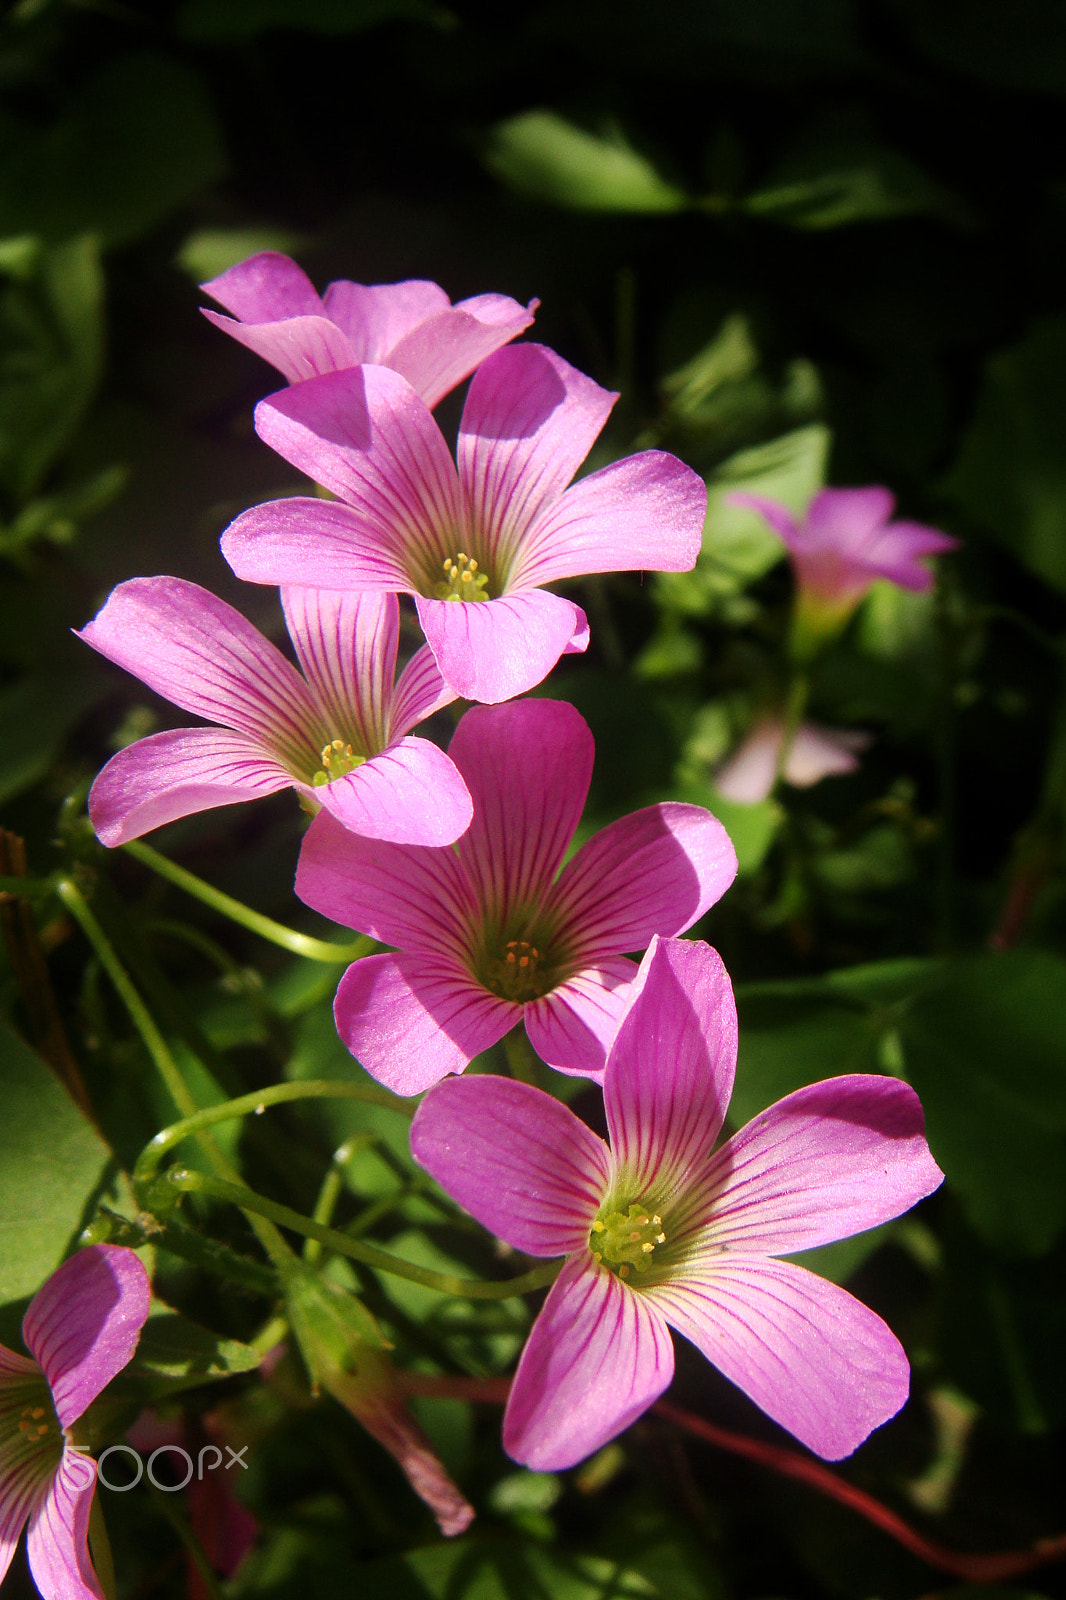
(796, 704)
(300, 944)
(369, 1255)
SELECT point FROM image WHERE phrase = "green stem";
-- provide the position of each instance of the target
(300, 944)
(796, 704)
(521, 1062)
(147, 1163)
(329, 1194)
(196, 1551)
(344, 1245)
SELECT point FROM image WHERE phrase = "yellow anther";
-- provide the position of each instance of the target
(597, 1226)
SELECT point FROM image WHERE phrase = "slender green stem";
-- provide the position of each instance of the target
(521, 1063)
(300, 944)
(330, 1193)
(358, 1250)
(796, 704)
(196, 1551)
(27, 888)
(147, 1163)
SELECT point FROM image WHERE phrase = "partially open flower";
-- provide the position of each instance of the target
(749, 774)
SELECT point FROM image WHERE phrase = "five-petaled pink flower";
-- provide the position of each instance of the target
(492, 933)
(660, 1233)
(81, 1328)
(339, 735)
(845, 543)
(474, 546)
(411, 327)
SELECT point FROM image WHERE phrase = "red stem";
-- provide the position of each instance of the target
(992, 1568)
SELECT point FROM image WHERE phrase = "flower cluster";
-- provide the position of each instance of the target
(459, 861)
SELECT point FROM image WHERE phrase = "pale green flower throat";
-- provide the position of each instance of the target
(626, 1240)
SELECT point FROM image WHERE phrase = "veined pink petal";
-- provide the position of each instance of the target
(529, 421)
(21, 1487)
(527, 766)
(366, 436)
(412, 1019)
(669, 1072)
(598, 1355)
(655, 871)
(57, 1542)
(516, 1159)
(780, 518)
(420, 691)
(405, 895)
(410, 793)
(644, 513)
(174, 774)
(492, 650)
(572, 1027)
(828, 1161)
(811, 1356)
(201, 654)
(83, 1324)
(446, 348)
(318, 543)
(265, 288)
(346, 644)
(376, 316)
(848, 518)
(299, 347)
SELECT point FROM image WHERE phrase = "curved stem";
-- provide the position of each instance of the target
(357, 1249)
(300, 944)
(147, 1163)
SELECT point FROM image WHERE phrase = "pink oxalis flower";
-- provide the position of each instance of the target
(339, 734)
(749, 774)
(844, 544)
(476, 539)
(492, 933)
(411, 327)
(660, 1233)
(81, 1328)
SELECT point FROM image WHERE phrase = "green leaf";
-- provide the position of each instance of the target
(210, 251)
(543, 155)
(35, 716)
(238, 20)
(175, 1354)
(483, 1568)
(851, 181)
(52, 1163)
(1010, 474)
(786, 1043)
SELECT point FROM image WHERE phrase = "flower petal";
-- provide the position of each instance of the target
(446, 348)
(57, 1543)
(21, 1487)
(299, 347)
(813, 1358)
(780, 518)
(830, 1160)
(846, 519)
(492, 650)
(516, 1159)
(405, 895)
(420, 691)
(598, 1355)
(321, 543)
(669, 1072)
(644, 513)
(265, 288)
(83, 1324)
(346, 644)
(409, 794)
(376, 316)
(529, 421)
(527, 766)
(412, 1019)
(655, 871)
(174, 774)
(572, 1027)
(201, 654)
(367, 437)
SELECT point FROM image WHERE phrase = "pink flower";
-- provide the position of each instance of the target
(748, 775)
(492, 933)
(474, 546)
(660, 1233)
(338, 735)
(845, 543)
(81, 1328)
(411, 327)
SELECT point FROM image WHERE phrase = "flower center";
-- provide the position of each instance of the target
(338, 759)
(462, 580)
(626, 1240)
(517, 972)
(29, 1427)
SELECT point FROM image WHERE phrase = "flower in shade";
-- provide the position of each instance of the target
(338, 734)
(660, 1233)
(843, 545)
(81, 1328)
(411, 327)
(492, 933)
(815, 753)
(473, 541)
